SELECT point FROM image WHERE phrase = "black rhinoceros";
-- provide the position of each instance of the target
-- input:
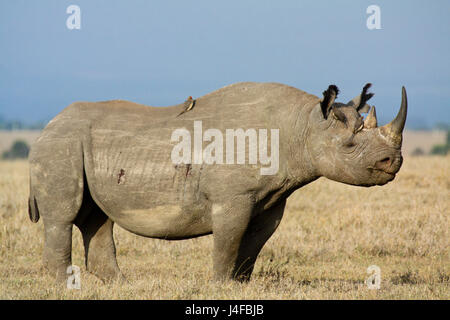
(96, 164)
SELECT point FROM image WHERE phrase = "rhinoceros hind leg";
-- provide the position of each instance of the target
(58, 248)
(100, 251)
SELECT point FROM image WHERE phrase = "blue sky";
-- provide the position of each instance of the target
(160, 52)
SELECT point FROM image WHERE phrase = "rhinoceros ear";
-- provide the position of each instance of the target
(364, 109)
(359, 102)
(329, 96)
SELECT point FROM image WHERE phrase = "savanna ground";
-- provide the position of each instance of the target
(330, 234)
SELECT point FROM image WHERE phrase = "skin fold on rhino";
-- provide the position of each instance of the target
(96, 164)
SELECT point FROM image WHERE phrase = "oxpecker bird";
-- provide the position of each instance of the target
(188, 105)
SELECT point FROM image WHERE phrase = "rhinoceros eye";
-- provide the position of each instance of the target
(350, 144)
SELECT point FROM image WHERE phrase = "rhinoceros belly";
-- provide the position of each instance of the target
(133, 179)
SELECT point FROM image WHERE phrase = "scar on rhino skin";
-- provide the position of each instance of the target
(188, 169)
(120, 175)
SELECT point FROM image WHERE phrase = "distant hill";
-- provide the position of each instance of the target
(19, 125)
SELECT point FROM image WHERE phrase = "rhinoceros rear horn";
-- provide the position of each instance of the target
(371, 120)
(329, 96)
(394, 129)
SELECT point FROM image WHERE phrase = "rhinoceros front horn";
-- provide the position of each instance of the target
(393, 130)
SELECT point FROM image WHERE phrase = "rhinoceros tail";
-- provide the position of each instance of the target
(33, 210)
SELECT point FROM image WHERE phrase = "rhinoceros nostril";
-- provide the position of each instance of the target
(384, 164)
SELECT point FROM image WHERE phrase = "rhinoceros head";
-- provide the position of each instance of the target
(349, 149)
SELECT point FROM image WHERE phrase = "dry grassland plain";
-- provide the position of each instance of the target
(330, 234)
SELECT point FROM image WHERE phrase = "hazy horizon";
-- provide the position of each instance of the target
(158, 53)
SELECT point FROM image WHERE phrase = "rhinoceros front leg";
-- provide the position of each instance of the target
(259, 230)
(238, 238)
(229, 221)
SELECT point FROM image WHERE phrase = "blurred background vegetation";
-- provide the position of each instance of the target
(19, 150)
(442, 149)
(19, 125)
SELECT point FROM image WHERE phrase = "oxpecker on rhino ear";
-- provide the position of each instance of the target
(338, 114)
(329, 96)
(359, 102)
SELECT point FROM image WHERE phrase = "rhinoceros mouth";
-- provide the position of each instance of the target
(382, 177)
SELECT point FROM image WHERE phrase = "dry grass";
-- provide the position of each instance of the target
(329, 236)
